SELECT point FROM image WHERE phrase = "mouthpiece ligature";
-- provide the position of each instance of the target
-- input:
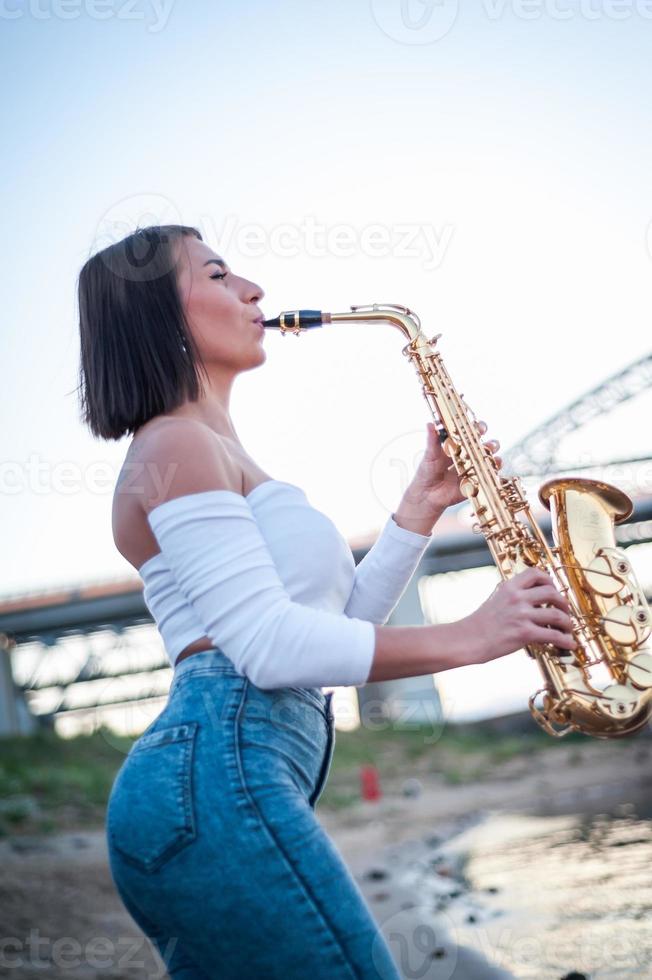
(293, 321)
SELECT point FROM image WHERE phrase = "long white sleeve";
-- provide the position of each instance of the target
(383, 575)
(214, 548)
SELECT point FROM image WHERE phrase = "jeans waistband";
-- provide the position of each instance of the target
(212, 657)
(216, 658)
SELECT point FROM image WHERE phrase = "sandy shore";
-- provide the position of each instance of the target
(58, 889)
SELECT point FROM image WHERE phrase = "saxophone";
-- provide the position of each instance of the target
(609, 612)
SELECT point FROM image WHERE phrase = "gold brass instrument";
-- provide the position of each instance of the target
(610, 615)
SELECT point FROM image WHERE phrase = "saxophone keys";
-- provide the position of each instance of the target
(617, 701)
(628, 626)
(449, 447)
(604, 576)
(468, 488)
(639, 670)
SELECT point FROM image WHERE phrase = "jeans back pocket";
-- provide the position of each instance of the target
(151, 813)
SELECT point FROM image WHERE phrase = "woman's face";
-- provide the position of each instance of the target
(221, 307)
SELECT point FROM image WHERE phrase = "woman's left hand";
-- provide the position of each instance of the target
(435, 485)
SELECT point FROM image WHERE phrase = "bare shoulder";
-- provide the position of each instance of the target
(180, 456)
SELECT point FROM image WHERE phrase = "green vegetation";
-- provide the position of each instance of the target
(49, 783)
(394, 746)
(456, 754)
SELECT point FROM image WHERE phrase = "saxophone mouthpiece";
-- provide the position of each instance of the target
(296, 320)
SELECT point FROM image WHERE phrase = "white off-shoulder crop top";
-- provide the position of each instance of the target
(271, 581)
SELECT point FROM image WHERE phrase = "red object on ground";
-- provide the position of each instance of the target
(369, 783)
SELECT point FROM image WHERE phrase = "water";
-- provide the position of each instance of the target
(546, 897)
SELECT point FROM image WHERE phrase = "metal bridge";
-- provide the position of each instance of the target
(115, 639)
(535, 455)
(81, 651)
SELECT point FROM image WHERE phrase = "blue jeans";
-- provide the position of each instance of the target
(214, 846)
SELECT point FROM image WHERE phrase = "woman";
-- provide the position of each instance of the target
(213, 842)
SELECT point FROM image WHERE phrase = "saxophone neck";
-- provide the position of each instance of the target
(295, 321)
(404, 319)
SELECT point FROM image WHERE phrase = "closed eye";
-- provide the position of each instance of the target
(218, 262)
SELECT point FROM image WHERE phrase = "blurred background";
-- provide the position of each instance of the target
(485, 164)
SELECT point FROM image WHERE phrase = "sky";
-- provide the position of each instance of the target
(485, 164)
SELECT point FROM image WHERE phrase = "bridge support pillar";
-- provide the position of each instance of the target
(15, 717)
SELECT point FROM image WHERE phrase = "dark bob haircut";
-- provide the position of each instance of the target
(138, 358)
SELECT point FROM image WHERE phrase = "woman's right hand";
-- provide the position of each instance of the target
(514, 616)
